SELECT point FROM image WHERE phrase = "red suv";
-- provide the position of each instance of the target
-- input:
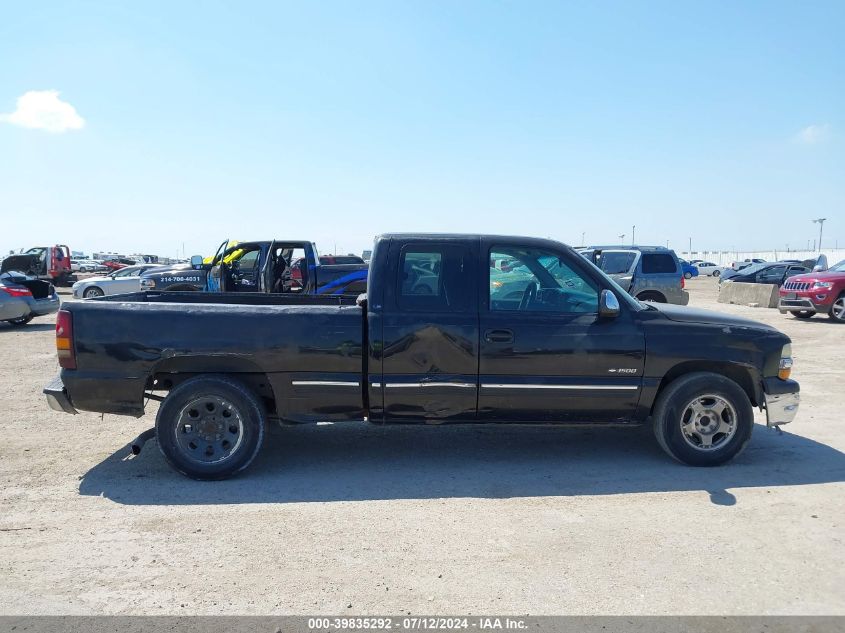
(824, 292)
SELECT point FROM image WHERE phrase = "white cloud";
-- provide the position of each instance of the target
(43, 110)
(813, 134)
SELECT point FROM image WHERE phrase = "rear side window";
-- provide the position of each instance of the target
(434, 278)
(654, 263)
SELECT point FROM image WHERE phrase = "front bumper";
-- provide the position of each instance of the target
(57, 396)
(803, 304)
(781, 400)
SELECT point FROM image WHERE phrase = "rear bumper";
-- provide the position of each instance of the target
(781, 400)
(48, 305)
(57, 396)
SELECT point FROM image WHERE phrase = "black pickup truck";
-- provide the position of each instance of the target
(441, 336)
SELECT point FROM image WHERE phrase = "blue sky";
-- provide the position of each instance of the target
(720, 121)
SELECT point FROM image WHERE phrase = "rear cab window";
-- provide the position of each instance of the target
(435, 278)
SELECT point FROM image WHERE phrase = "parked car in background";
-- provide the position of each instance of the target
(709, 268)
(24, 297)
(127, 279)
(690, 270)
(90, 266)
(770, 273)
(815, 293)
(648, 273)
(745, 263)
(117, 264)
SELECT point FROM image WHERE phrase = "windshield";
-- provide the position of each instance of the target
(837, 268)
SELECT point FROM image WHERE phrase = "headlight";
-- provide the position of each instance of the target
(785, 365)
(823, 284)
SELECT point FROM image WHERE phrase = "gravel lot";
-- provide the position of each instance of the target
(456, 520)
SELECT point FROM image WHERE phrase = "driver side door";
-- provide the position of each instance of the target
(545, 356)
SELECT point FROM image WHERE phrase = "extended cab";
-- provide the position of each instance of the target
(441, 336)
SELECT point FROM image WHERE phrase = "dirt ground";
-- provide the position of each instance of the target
(460, 520)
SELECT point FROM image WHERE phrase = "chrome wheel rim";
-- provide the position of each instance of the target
(708, 423)
(839, 309)
(209, 430)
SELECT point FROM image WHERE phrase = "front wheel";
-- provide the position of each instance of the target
(801, 314)
(91, 293)
(687, 275)
(210, 427)
(716, 273)
(703, 419)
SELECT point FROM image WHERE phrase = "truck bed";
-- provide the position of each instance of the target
(305, 352)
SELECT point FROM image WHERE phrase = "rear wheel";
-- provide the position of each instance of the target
(92, 292)
(703, 419)
(687, 275)
(837, 310)
(210, 427)
(22, 320)
(801, 314)
(716, 273)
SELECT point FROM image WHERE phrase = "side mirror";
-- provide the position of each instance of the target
(196, 260)
(608, 305)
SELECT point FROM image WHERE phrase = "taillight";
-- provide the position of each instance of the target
(16, 292)
(64, 340)
(682, 282)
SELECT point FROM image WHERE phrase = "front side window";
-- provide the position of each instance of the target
(616, 263)
(539, 281)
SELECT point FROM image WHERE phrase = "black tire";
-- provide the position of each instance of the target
(716, 273)
(687, 275)
(22, 320)
(801, 314)
(93, 291)
(838, 306)
(670, 412)
(175, 416)
(651, 296)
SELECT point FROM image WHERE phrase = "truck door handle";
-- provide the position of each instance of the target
(498, 336)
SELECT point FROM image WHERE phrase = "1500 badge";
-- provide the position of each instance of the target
(621, 370)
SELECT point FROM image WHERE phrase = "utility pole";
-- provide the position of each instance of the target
(633, 235)
(820, 222)
(622, 237)
(583, 233)
(690, 246)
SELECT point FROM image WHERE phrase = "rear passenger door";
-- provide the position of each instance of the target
(430, 332)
